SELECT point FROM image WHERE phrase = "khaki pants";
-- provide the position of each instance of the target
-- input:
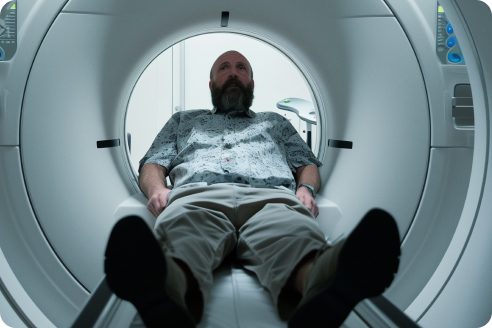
(271, 228)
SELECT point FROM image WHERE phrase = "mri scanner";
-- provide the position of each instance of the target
(418, 124)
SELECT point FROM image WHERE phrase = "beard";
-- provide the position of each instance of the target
(235, 100)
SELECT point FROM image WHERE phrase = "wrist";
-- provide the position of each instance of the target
(157, 189)
(309, 188)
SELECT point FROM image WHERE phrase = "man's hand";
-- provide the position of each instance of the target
(308, 174)
(158, 201)
(307, 199)
(152, 181)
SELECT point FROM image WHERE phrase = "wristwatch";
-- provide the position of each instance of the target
(311, 189)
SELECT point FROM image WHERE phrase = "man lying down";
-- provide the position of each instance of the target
(244, 182)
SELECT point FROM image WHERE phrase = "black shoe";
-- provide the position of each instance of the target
(365, 266)
(136, 270)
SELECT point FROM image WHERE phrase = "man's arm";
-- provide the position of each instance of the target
(152, 181)
(308, 174)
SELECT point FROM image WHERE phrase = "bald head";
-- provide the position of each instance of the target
(226, 57)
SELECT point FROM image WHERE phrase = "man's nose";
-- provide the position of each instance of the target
(233, 72)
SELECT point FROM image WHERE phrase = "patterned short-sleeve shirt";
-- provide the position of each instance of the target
(259, 149)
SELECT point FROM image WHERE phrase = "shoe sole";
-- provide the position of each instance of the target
(135, 270)
(366, 266)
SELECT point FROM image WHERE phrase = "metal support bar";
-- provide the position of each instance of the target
(94, 306)
(378, 312)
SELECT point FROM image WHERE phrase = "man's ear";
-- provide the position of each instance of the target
(210, 85)
(253, 83)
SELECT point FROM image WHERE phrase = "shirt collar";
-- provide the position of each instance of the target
(249, 112)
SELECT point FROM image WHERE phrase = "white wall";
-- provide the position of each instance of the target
(150, 105)
(167, 83)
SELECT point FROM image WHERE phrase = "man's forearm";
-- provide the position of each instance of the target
(308, 174)
(152, 177)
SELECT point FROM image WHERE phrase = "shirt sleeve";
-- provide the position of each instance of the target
(164, 147)
(297, 151)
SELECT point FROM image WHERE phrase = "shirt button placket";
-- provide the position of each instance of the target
(225, 139)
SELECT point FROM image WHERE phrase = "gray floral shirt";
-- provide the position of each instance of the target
(258, 149)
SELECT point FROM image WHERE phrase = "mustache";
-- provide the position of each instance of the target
(233, 81)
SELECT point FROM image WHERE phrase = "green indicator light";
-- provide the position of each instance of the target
(286, 101)
(440, 9)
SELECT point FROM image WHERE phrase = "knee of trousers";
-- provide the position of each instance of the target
(277, 236)
(200, 238)
(273, 243)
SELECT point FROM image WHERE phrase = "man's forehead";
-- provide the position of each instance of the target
(230, 56)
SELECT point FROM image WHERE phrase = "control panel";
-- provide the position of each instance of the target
(8, 29)
(447, 46)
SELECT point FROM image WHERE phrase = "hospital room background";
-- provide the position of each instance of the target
(178, 80)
